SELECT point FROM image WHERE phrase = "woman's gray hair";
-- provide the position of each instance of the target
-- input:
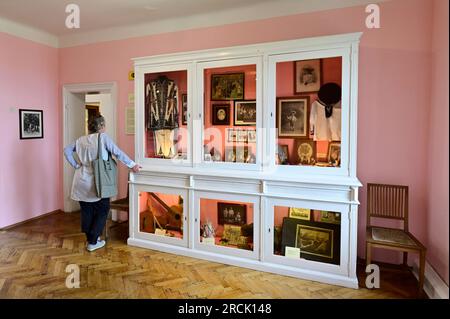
(96, 123)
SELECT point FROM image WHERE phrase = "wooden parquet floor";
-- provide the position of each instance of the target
(34, 256)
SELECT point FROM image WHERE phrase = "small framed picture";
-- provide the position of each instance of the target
(184, 109)
(242, 136)
(282, 156)
(245, 113)
(300, 213)
(221, 114)
(233, 214)
(227, 86)
(251, 136)
(293, 117)
(231, 135)
(334, 153)
(308, 76)
(306, 151)
(31, 123)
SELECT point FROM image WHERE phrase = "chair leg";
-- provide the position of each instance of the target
(405, 259)
(368, 254)
(422, 271)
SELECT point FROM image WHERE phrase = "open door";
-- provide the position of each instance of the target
(75, 117)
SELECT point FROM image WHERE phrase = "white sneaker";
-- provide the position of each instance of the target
(98, 245)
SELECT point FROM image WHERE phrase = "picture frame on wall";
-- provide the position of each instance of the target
(184, 109)
(293, 117)
(220, 114)
(31, 124)
(231, 213)
(308, 76)
(245, 113)
(334, 153)
(306, 152)
(228, 86)
(317, 241)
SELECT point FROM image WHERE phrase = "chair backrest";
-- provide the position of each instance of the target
(387, 201)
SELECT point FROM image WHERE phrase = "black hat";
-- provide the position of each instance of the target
(330, 93)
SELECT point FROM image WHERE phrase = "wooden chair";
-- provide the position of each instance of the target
(122, 204)
(391, 202)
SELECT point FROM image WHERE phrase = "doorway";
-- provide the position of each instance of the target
(82, 101)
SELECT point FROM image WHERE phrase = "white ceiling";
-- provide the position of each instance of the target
(103, 20)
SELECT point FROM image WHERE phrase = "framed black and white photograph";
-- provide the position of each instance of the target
(221, 114)
(233, 214)
(293, 119)
(245, 113)
(308, 76)
(31, 124)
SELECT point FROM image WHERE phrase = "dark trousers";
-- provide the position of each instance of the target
(93, 218)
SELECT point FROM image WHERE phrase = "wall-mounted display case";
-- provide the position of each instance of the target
(249, 156)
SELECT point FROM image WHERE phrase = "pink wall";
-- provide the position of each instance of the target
(438, 206)
(30, 184)
(394, 96)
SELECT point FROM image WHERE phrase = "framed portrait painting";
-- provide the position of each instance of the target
(221, 114)
(233, 214)
(293, 119)
(308, 76)
(245, 113)
(317, 241)
(31, 123)
(228, 86)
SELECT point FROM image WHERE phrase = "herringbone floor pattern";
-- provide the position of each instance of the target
(34, 256)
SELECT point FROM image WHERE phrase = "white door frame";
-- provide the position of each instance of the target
(104, 87)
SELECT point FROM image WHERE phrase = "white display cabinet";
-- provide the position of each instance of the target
(249, 156)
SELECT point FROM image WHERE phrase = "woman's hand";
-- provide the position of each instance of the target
(136, 168)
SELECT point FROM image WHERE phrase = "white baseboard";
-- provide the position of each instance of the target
(433, 286)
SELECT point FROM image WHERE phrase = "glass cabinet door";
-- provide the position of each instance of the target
(227, 224)
(311, 98)
(164, 120)
(307, 235)
(162, 214)
(231, 113)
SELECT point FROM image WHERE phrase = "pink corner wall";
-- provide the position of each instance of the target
(393, 91)
(30, 182)
(438, 152)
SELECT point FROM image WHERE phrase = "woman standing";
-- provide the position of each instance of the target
(94, 210)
